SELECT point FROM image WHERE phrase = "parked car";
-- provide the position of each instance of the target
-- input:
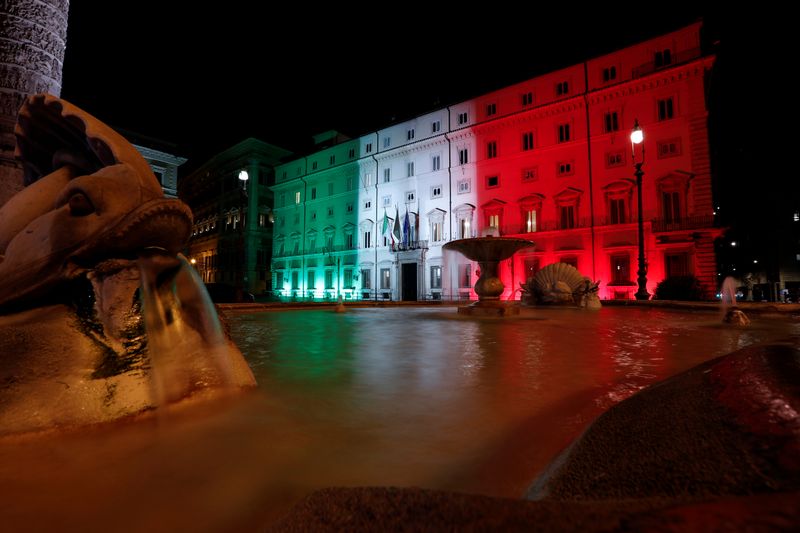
(222, 293)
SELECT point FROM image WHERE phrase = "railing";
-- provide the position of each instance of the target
(411, 245)
(680, 57)
(661, 225)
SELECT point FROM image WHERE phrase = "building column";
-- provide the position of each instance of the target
(31, 59)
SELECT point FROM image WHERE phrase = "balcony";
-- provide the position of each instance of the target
(661, 225)
(411, 245)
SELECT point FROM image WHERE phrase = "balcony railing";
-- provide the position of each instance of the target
(411, 245)
(661, 225)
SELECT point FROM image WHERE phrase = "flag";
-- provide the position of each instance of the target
(406, 229)
(385, 229)
(416, 222)
(396, 229)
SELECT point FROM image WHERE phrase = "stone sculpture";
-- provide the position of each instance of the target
(74, 350)
(561, 284)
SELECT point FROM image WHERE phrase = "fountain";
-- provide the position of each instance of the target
(488, 252)
(91, 226)
(730, 312)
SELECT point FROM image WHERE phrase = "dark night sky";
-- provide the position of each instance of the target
(204, 79)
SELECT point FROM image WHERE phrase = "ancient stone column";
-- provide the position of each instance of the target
(33, 37)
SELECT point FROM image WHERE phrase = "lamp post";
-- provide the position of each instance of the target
(243, 177)
(637, 138)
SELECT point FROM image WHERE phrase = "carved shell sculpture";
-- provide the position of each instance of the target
(556, 283)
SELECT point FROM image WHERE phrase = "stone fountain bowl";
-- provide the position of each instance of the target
(488, 249)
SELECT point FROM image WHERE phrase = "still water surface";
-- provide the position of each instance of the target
(396, 396)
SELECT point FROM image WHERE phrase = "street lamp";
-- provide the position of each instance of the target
(637, 138)
(243, 177)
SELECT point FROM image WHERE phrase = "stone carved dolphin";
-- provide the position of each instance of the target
(90, 228)
(90, 197)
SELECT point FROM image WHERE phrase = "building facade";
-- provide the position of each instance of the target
(164, 166)
(231, 239)
(548, 159)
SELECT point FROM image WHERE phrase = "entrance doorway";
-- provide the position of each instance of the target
(409, 273)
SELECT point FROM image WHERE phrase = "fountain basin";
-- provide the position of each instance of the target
(488, 252)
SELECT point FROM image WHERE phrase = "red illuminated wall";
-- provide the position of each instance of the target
(586, 211)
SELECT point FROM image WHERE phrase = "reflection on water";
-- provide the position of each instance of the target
(397, 396)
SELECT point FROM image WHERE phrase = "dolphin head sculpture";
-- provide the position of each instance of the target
(90, 202)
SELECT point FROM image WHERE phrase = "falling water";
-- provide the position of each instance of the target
(728, 293)
(188, 349)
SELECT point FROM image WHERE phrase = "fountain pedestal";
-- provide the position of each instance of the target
(488, 252)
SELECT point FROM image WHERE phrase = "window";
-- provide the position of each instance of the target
(491, 149)
(330, 189)
(297, 197)
(671, 206)
(676, 264)
(491, 109)
(563, 133)
(436, 191)
(279, 281)
(665, 109)
(436, 277)
(313, 193)
(329, 243)
(314, 165)
(463, 229)
(566, 215)
(437, 231)
(296, 218)
(463, 186)
(386, 279)
(312, 243)
(349, 183)
(367, 239)
(262, 220)
(530, 220)
(283, 199)
(562, 88)
(410, 134)
(463, 118)
(312, 280)
(617, 214)
(670, 148)
(611, 122)
(527, 98)
(368, 147)
(330, 211)
(663, 58)
(332, 159)
(387, 175)
(367, 204)
(465, 276)
(349, 241)
(621, 269)
(387, 142)
(615, 159)
(492, 181)
(436, 127)
(564, 169)
(329, 279)
(351, 153)
(609, 74)
(349, 207)
(366, 278)
(348, 279)
(313, 215)
(410, 197)
(367, 179)
(436, 162)
(387, 200)
(284, 174)
(463, 156)
(494, 220)
(527, 140)
(529, 174)
(410, 169)
(295, 280)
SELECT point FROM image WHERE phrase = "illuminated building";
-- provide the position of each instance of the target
(547, 159)
(231, 239)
